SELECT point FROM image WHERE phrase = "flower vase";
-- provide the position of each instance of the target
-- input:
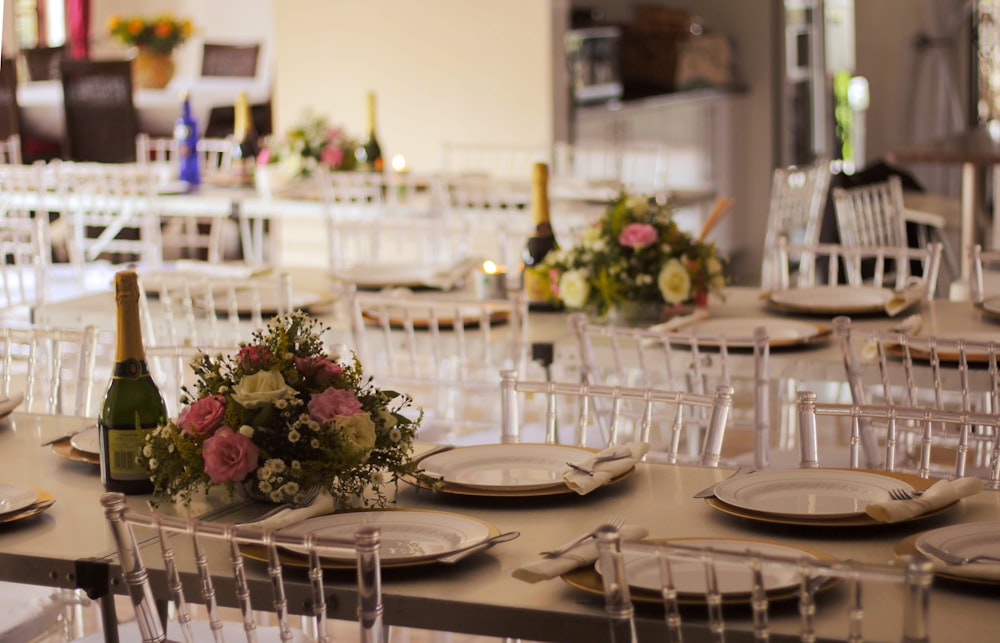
(151, 69)
(269, 180)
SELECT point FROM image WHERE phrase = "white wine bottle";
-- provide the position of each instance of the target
(536, 286)
(245, 140)
(369, 154)
(132, 405)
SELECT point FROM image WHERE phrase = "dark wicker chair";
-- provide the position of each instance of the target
(229, 60)
(43, 62)
(101, 119)
(10, 117)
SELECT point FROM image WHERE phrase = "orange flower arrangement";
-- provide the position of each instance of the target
(161, 34)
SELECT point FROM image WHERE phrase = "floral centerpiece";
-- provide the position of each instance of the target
(634, 254)
(161, 34)
(312, 143)
(280, 418)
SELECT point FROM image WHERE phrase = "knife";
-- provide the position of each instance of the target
(459, 554)
(67, 436)
(709, 491)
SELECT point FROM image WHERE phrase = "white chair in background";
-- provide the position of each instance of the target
(500, 161)
(215, 155)
(984, 273)
(798, 197)
(446, 351)
(53, 367)
(568, 413)
(809, 574)
(613, 355)
(25, 257)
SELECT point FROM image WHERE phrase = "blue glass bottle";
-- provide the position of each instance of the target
(186, 135)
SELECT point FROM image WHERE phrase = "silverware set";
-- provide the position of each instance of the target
(615, 521)
(956, 559)
(620, 454)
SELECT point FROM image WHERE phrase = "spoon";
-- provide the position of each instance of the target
(459, 554)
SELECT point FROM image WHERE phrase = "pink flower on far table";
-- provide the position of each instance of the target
(254, 357)
(331, 156)
(203, 416)
(319, 370)
(229, 456)
(637, 235)
(333, 402)
(264, 156)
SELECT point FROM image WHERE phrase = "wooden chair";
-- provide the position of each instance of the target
(229, 60)
(43, 63)
(101, 119)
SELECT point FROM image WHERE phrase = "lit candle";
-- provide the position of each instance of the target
(399, 168)
(399, 163)
(491, 281)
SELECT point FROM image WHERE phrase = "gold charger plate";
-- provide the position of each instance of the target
(905, 548)
(589, 580)
(924, 354)
(293, 559)
(65, 449)
(44, 501)
(863, 520)
(821, 334)
(444, 323)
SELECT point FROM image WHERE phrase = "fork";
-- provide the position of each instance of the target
(904, 494)
(956, 559)
(615, 521)
(620, 454)
(305, 501)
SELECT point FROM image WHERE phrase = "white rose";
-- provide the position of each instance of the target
(590, 236)
(263, 387)
(290, 166)
(574, 288)
(386, 418)
(637, 204)
(674, 282)
(358, 429)
(716, 279)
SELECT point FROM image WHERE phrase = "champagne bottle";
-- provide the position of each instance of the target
(536, 286)
(369, 155)
(132, 404)
(245, 139)
(186, 135)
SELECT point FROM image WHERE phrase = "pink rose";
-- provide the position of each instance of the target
(229, 456)
(254, 357)
(263, 156)
(203, 416)
(637, 235)
(331, 403)
(320, 370)
(331, 156)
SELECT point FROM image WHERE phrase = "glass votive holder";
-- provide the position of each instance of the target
(490, 281)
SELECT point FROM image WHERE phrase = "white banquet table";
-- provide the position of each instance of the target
(41, 103)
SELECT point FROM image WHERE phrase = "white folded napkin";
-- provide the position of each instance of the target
(906, 297)
(8, 404)
(604, 472)
(583, 554)
(680, 321)
(321, 506)
(941, 494)
(452, 276)
(910, 325)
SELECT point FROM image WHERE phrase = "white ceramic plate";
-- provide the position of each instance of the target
(88, 441)
(406, 535)
(13, 498)
(813, 493)
(388, 275)
(780, 332)
(643, 569)
(505, 466)
(967, 539)
(991, 306)
(8, 404)
(844, 300)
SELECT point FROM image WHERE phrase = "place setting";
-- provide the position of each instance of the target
(81, 446)
(443, 276)
(523, 470)
(781, 332)
(966, 552)
(843, 299)
(18, 502)
(835, 497)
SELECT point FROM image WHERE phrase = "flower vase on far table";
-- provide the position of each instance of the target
(151, 69)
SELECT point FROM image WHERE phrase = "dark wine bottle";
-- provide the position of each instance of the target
(186, 135)
(536, 286)
(132, 405)
(369, 154)
(245, 139)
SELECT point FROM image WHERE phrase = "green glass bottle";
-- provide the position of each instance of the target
(537, 289)
(132, 404)
(369, 153)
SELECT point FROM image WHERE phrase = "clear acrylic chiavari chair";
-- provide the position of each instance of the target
(53, 367)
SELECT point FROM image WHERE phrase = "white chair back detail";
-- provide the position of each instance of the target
(982, 264)
(798, 197)
(25, 252)
(55, 366)
(577, 404)
(493, 160)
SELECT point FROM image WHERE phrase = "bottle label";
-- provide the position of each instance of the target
(124, 447)
(130, 369)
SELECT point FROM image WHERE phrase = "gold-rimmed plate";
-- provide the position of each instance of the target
(43, 501)
(64, 448)
(907, 547)
(643, 573)
(782, 333)
(849, 520)
(832, 300)
(410, 537)
(976, 353)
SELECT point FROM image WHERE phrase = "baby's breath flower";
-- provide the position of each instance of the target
(294, 436)
(246, 430)
(395, 435)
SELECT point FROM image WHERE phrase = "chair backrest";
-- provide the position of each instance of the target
(832, 264)
(940, 431)
(500, 161)
(25, 257)
(53, 367)
(871, 215)
(896, 368)
(798, 198)
(101, 119)
(446, 351)
(112, 210)
(677, 561)
(570, 414)
(10, 112)
(215, 155)
(229, 60)
(43, 63)
(983, 266)
(648, 358)
(187, 544)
